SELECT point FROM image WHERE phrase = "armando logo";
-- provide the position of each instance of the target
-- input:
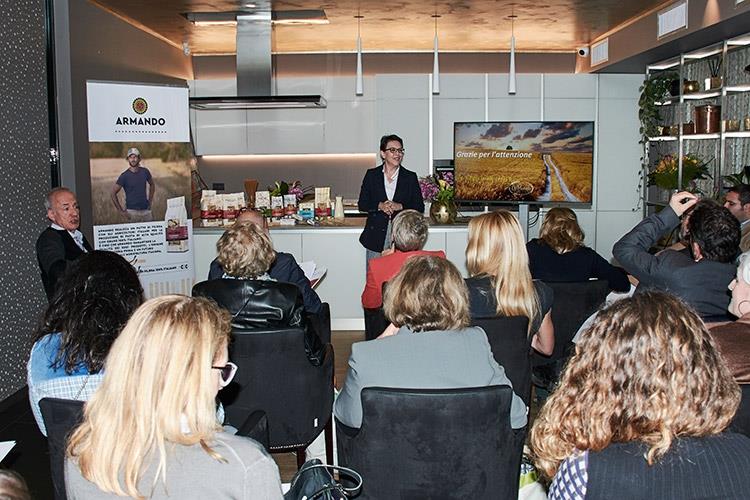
(140, 106)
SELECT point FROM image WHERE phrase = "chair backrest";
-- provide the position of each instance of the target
(510, 344)
(375, 320)
(276, 377)
(321, 322)
(435, 443)
(60, 416)
(741, 421)
(572, 305)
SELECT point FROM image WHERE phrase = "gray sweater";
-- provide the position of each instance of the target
(248, 473)
(427, 360)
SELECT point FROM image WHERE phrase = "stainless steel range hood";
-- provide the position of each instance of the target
(254, 71)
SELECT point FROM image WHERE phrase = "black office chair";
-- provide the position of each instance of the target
(741, 421)
(60, 416)
(276, 377)
(572, 305)
(434, 443)
(511, 346)
(321, 323)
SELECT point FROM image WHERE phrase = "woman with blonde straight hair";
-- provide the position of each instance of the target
(500, 282)
(559, 254)
(151, 429)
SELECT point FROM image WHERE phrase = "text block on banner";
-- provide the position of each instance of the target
(120, 112)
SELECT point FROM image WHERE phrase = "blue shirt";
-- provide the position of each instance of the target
(134, 184)
(43, 356)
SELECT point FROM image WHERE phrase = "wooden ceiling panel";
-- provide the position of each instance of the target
(395, 25)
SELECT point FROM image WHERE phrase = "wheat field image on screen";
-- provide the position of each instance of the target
(555, 170)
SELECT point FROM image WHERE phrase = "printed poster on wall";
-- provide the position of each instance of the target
(140, 157)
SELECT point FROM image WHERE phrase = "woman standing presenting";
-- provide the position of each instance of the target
(386, 190)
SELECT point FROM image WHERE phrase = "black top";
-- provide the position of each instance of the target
(580, 264)
(482, 301)
(54, 249)
(693, 468)
(372, 193)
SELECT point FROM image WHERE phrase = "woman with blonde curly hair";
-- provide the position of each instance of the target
(640, 410)
(151, 429)
(500, 282)
(559, 254)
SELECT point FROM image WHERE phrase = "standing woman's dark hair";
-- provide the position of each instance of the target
(388, 138)
(93, 301)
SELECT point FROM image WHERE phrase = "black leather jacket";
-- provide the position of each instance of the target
(262, 304)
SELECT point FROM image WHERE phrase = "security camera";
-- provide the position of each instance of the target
(583, 51)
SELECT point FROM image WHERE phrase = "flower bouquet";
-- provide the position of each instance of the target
(439, 190)
(281, 188)
(664, 174)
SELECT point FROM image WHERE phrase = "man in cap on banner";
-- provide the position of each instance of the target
(133, 181)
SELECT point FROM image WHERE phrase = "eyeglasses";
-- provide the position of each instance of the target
(393, 151)
(227, 373)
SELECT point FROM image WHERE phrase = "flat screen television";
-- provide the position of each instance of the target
(524, 162)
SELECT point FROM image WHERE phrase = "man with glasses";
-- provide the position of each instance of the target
(386, 190)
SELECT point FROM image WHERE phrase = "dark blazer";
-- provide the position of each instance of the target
(263, 304)
(372, 192)
(285, 269)
(54, 249)
(703, 284)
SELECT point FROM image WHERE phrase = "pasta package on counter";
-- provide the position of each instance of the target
(306, 210)
(322, 201)
(290, 204)
(211, 204)
(277, 206)
(262, 200)
(232, 203)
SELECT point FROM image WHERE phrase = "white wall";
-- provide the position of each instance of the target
(403, 104)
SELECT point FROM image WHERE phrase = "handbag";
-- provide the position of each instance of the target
(315, 481)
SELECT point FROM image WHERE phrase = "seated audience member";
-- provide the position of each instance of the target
(12, 486)
(151, 430)
(250, 294)
(62, 242)
(733, 339)
(700, 279)
(500, 282)
(560, 255)
(640, 410)
(432, 345)
(737, 201)
(284, 267)
(96, 296)
(409, 235)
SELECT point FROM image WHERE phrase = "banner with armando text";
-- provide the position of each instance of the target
(140, 156)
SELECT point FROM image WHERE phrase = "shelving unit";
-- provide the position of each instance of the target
(729, 150)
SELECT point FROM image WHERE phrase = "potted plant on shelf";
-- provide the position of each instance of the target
(437, 189)
(664, 174)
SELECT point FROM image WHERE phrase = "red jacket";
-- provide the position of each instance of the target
(384, 268)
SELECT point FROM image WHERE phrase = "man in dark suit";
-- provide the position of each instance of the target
(62, 242)
(386, 190)
(284, 268)
(699, 278)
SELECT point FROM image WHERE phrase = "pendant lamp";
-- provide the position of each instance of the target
(359, 83)
(435, 62)
(512, 72)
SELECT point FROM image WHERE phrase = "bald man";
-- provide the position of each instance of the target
(284, 268)
(61, 242)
